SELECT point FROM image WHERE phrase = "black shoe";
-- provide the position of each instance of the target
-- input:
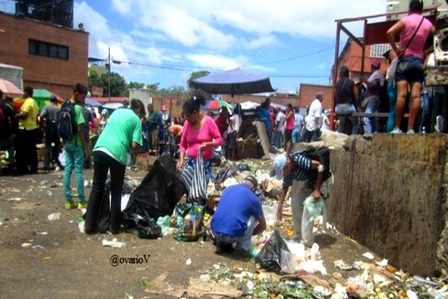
(222, 248)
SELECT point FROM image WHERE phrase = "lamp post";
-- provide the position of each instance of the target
(108, 75)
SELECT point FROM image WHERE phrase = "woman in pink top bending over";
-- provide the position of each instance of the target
(414, 30)
(200, 133)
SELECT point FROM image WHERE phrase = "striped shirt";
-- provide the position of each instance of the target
(301, 171)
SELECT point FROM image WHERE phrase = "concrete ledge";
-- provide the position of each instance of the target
(390, 195)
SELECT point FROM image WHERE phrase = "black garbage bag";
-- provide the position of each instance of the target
(223, 174)
(146, 227)
(270, 255)
(158, 193)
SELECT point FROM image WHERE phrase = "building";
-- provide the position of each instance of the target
(403, 5)
(308, 94)
(351, 57)
(40, 39)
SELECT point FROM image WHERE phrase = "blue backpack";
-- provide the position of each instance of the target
(67, 121)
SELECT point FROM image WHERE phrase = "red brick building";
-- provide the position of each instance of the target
(308, 94)
(351, 56)
(52, 56)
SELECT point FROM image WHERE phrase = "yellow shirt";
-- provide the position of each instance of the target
(29, 106)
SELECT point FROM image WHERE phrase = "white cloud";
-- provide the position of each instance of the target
(213, 33)
(215, 61)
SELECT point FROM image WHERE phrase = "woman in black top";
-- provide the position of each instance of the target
(346, 102)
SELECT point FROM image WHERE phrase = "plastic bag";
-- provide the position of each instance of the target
(288, 262)
(191, 227)
(390, 75)
(147, 228)
(270, 255)
(311, 210)
(61, 157)
(195, 180)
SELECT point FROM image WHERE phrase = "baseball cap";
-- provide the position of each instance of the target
(279, 164)
(253, 180)
(104, 112)
(375, 63)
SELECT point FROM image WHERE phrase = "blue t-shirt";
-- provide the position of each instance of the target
(237, 204)
(265, 116)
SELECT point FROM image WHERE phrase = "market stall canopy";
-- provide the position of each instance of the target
(9, 88)
(91, 102)
(237, 81)
(249, 105)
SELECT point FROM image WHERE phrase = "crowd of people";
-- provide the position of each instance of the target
(193, 138)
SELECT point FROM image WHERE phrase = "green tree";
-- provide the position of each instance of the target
(195, 75)
(136, 85)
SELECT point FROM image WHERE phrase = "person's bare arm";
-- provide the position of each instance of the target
(390, 35)
(260, 227)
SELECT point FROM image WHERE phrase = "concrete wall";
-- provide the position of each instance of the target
(390, 195)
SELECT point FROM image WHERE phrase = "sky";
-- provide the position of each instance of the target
(164, 41)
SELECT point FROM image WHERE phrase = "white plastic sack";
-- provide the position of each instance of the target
(62, 158)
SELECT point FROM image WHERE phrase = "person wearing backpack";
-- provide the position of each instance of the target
(71, 130)
(123, 131)
(49, 117)
(27, 134)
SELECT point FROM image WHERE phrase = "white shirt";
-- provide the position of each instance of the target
(281, 121)
(298, 121)
(325, 126)
(234, 123)
(315, 112)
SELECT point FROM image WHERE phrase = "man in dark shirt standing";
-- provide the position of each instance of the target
(310, 166)
(49, 117)
(7, 113)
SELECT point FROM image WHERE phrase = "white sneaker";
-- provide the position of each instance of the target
(396, 131)
(410, 132)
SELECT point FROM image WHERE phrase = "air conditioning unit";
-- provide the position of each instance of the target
(441, 40)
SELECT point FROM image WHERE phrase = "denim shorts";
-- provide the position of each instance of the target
(410, 69)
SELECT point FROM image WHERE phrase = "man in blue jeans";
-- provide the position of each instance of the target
(75, 152)
(238, 217)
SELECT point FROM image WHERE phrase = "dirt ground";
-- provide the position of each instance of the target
(64, 263)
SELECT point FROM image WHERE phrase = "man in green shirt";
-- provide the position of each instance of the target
(76, 151)
(123, 130)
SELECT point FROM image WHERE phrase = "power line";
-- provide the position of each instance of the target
(294, 58)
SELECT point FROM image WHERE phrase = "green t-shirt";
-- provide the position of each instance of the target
(79, 117)
(122, 128)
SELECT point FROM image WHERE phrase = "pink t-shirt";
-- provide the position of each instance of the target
(192, 138)
(290, 122)
(418, 43)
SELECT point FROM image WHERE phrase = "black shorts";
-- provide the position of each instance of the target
(288, 135)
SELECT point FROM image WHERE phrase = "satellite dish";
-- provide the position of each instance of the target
(81, 26)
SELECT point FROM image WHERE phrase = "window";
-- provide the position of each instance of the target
(377, 50)
(45, 49)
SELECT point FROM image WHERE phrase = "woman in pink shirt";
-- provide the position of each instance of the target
(200, 133)
(289, 116)
(414, 30)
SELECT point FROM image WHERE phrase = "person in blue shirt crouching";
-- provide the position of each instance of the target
(237, 218)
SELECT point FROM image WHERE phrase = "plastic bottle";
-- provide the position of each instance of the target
(422, 280)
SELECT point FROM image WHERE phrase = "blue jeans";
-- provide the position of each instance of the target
(74, 159)
(369, 122)
(296, 135)
(344, 112)
(392, 93)
(277, 139)
(244, 242)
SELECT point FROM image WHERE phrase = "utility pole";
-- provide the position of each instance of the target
(108, 75)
